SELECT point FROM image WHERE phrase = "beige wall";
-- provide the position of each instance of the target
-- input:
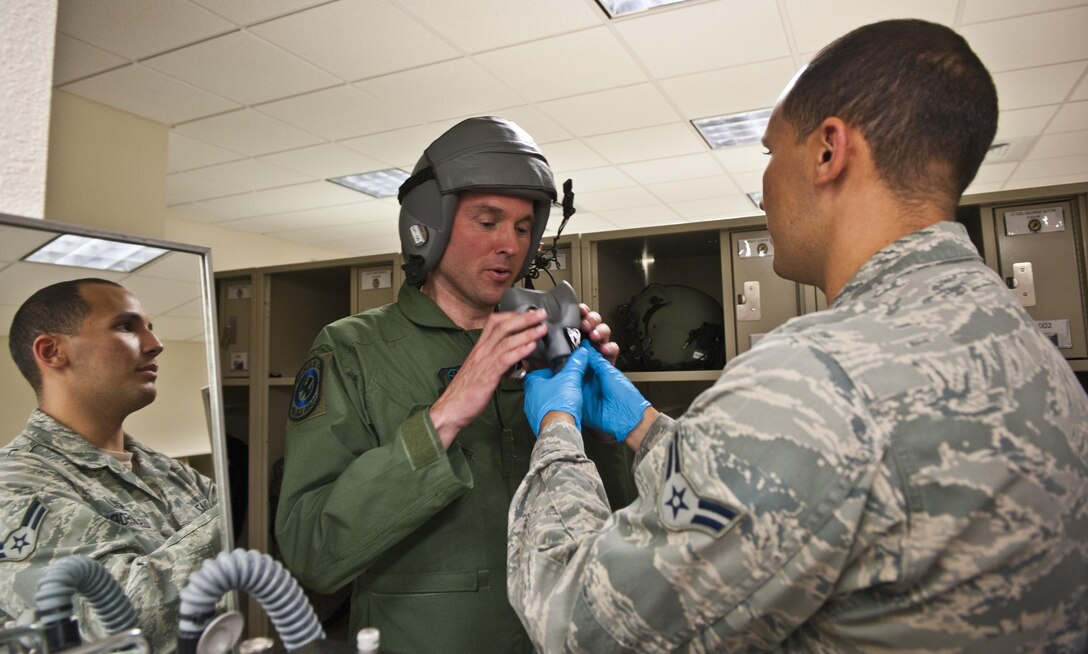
(174, 423)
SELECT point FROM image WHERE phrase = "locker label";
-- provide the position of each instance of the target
(239, 292)
(1035, 221)
(372, 279)
(755, 247)
(1057, 331)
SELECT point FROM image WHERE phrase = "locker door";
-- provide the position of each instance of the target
(235, 317)
(1037, 247)
(763, 300)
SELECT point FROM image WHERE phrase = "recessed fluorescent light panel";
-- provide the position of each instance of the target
(733, 129)
(616, 8)
(96, 253)
(756, 197)
(378, 183)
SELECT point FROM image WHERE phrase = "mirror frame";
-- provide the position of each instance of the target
(214, 391)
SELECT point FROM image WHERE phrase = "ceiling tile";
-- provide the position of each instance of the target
(1035, 87)
(370, 211)
(590, 60)
(179, 266)
(160, 295)
(613, 110)
(190, 187)
(1023, 122)
(338, 113)
(692, 166)
(452, 88)
(622, 198)
(146, 93)
(1081, 92)
(325, 161)
(730, 90)
(652, 215)
(571, 155)
(705, 36)
(1072, 116)
(742, 158)
(1044, 169)
(713, 208)
(357, 39)
(648, 143)
(694, 189)
(286, 198)
(258, 72)
(816, 24)
(599, 179)
(252, 174)
(589, 223)
(247, 12)
(1002, 44)
(749, 182)
(540, 127)
(993, 173)
(198, 212)
(977, 11)
(74, 59)
(478, 25)
(184, 153)
(137, 29)
(17, 243)
(400, 147)
(1066, 144)
(247, 131)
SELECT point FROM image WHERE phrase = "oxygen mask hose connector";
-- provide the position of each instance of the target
(55, 593)
(563, 321)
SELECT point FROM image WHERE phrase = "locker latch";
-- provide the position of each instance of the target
(748, 302)
(1022, 283)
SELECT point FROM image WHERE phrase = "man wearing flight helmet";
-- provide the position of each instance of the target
(406, 437)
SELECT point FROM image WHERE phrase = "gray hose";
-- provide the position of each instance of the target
(264, 579)
(63, 578)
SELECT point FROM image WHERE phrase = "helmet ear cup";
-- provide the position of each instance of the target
(423, 230)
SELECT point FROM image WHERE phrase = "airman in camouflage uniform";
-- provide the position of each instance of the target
(904, 472)
(149, 520)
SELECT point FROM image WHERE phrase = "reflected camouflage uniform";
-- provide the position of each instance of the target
(904, 472)
(150, 528)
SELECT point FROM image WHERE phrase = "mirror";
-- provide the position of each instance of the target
(186, 419)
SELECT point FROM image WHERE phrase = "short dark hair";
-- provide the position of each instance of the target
(921, 97)
(55, 309)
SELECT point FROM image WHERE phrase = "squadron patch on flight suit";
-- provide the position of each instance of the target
(682, 508)
(308, 398)
(20, 543)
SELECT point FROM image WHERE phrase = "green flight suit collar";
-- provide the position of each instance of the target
(421, 309)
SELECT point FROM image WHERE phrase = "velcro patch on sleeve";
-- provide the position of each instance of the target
(308, 397)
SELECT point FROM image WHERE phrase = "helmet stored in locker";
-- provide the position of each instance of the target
(673, 327)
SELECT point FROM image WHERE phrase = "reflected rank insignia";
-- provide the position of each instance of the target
(681, 507)
(307, 400)
(20, 543)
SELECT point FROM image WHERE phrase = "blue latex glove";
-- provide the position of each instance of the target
(610, 402)
(562, 391)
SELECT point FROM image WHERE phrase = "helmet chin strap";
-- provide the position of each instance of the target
(541, 261)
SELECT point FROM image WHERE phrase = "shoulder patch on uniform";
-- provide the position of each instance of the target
(21, 542)
(682, 508)
(308, 398)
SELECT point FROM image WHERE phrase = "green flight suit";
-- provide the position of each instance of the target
(369, 496)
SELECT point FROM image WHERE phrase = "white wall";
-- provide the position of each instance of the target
(26, 80)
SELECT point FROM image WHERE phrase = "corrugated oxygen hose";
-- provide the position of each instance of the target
(264, 579)
(54, 599)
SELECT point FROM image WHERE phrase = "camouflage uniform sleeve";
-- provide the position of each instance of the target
(747, 509)
(69, 526)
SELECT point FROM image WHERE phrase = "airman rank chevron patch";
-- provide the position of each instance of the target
(682, 508)
(20, 543)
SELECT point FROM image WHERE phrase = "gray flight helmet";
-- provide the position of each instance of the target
(486, 154)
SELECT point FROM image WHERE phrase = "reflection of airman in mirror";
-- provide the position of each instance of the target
(73, 483)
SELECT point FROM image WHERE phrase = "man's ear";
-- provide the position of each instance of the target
(830, 142)
(49, 350)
